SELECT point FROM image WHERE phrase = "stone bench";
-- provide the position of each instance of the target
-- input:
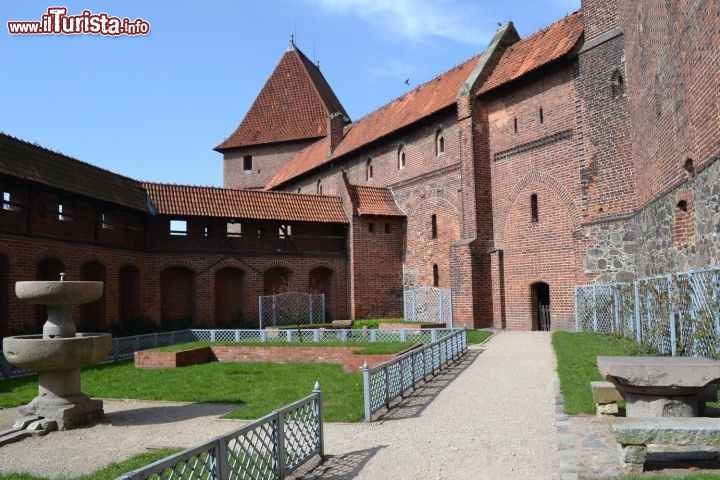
(635, 434)
(605, 396)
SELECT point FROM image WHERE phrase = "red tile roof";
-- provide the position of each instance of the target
(169, 199)
(548, 44)
(34, 163)
(421, 102)
(374, 201)
(294, 104)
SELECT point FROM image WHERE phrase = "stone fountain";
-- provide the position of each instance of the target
(58, 355)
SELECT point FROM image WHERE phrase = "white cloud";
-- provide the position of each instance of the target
(416, 20)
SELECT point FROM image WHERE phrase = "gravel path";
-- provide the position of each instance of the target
(490, 416)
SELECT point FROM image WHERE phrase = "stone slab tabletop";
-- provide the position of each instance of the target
(680, 373)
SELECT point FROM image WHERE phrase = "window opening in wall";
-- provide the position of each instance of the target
(318, 188)
(689, 166)
(63, 213)
(7, 202)
(106, 221)
(368, 169)
(178, 228)
(433, 226)
(542, 116)
(284, 231)
(401, 157)
(534, 207)
(298, 190)
(617, 84)
(371, 227)
(436, 275)
(206, 231)
(682, 205)
(234, 228)
(515, 124)
(247, 163)
(387, 228)
(439, 142)
(260, 232)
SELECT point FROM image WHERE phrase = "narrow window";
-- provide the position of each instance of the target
(433, 226)
(298, 190)
(368, 169)
(318, 187)
(371, 227)
(682, 206)
(178, 228)
(261, 232)
(436, 275)
(247, 163)
(439, 142)
(534, 207)
(284, 231)
(387, 228)
(617, 84)
(63, 213)
(401, 157)
(515, 124)
(206, 232)
(542, 116)
(689, 167)
(6, 201)
(106, 221)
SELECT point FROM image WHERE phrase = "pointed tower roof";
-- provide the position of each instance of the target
(294, 104)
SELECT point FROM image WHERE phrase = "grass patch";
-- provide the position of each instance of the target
(110, 472)
(577, 364)
(374, 322)
(689, 476)
(259, 387)
(477, 336)
(369, 348)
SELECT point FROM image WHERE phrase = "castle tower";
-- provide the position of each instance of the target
(290, 112)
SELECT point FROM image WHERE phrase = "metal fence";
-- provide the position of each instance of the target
(428, 304)
(676, 314)
(384, 383)
(125, 347)
(269, 448)
(291, 308)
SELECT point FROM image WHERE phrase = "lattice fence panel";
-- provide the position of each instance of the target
(654, 309)
(301, 434)
(697, 301)
(291, 308)
(252, 453)
(428, 304)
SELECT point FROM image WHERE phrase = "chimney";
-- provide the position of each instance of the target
(335, 127)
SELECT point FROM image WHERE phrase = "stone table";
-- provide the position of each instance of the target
(660, 386)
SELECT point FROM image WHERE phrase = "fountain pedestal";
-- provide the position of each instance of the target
(59, 354)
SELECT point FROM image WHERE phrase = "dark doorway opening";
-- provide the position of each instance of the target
(540, 293)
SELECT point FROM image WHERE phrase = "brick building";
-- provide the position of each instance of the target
(586, 152)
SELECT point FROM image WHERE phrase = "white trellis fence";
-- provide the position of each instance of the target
(676, 314)
(428, 304)
(291, 308)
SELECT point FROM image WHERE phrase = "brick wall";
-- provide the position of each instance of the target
(266, 161)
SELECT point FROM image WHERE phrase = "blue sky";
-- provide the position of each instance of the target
(153, 107)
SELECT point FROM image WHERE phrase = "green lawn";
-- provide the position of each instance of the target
(689, 476)
(259, 387)
(477, 336)
(110, 472)
(369, 348)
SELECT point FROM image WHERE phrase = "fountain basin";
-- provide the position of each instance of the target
(33, 352)
(58, 292)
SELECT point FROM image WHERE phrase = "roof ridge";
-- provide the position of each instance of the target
(436, 77)
(309, 64)
(249, 190)
(69, 157)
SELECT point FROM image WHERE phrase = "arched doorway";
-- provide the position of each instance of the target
(321, 281)
(276, 280)
(229, 298)
(540, 303)
(93, 314)
(177, 297)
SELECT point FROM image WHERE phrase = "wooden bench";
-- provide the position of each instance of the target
(635, 434)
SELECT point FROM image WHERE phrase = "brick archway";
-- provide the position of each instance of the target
(321, 280)
(177, 296)
(4, 295)
(93, 314)
(230, 297)
(130, 300)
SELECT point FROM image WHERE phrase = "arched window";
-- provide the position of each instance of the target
(368, 169)
(318, 188)
(401, 157)
(439, 142)
(436, 275)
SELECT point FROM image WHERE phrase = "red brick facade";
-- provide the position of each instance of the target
(586, 152)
